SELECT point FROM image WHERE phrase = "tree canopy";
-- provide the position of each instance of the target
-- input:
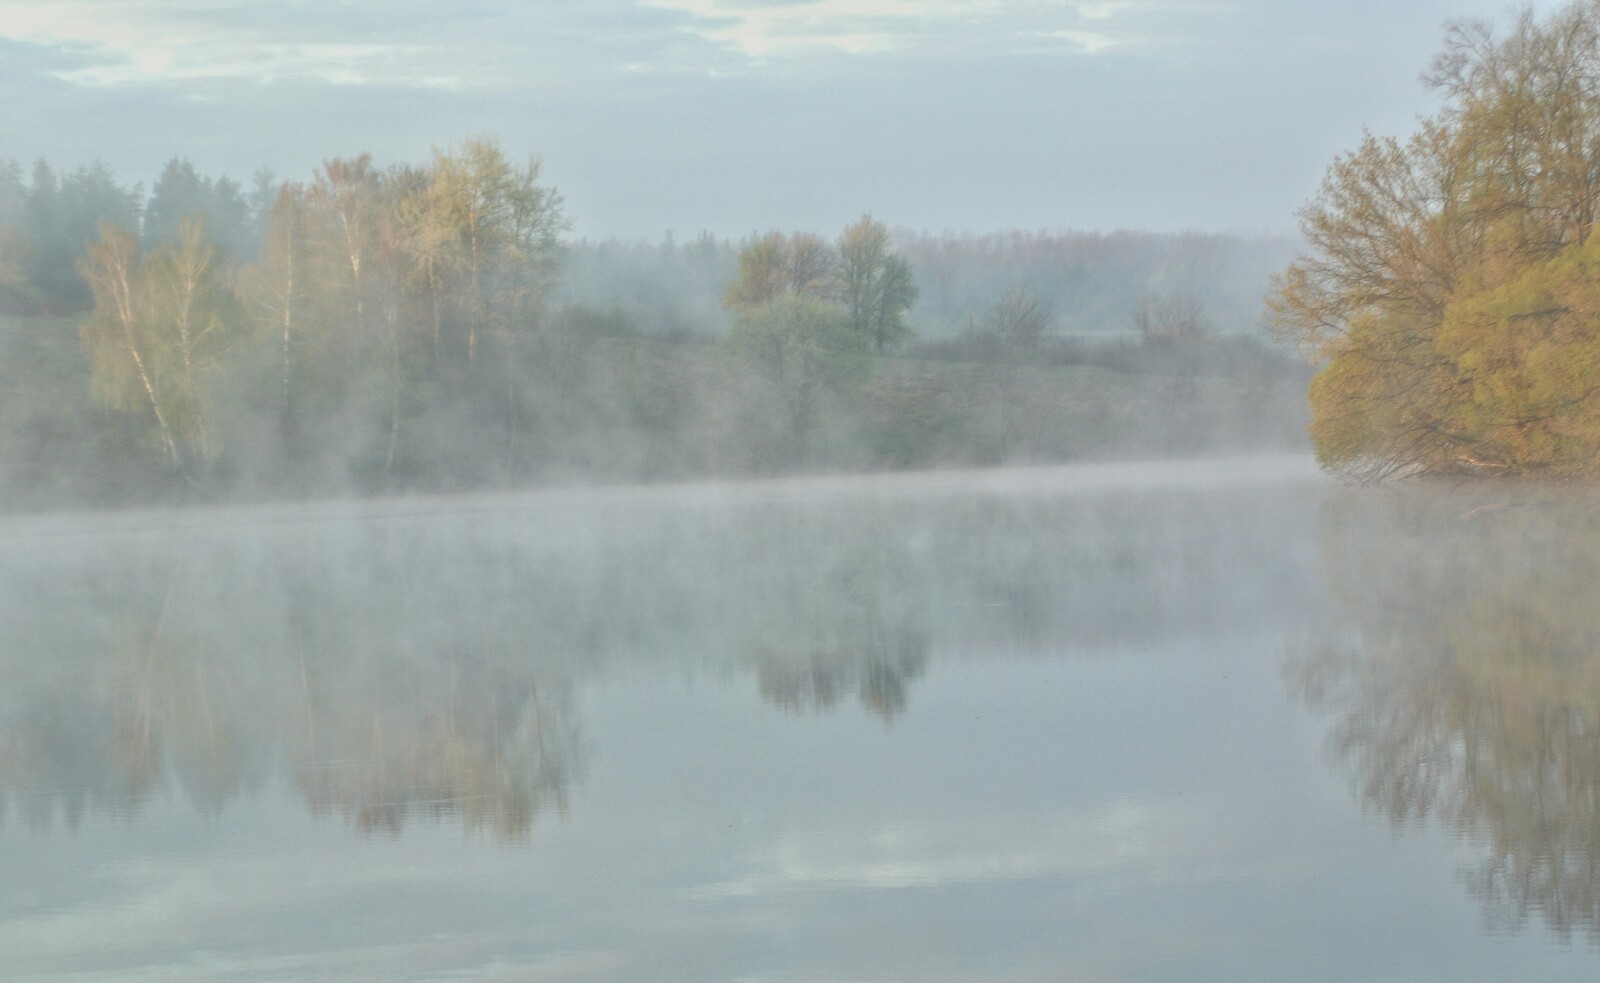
(378, 327)
(377, 297)
(1449, 292)
(861, 272)
(875, 284)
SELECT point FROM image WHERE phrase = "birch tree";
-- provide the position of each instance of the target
(280, 284)
(117, 336)
(158, 329)
(188, 325)
(490, 227)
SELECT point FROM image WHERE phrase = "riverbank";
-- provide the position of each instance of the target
(627, 409)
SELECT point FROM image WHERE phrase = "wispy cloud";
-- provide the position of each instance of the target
(139, 42)
(131, 42)
(760, 30)
(335, 64)
(1105, 9)
(1089, 42)
(472, 43)
(989, 850)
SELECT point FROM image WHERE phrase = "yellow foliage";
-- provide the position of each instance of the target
(1452, 291)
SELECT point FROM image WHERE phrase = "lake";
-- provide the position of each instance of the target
(1209, 721)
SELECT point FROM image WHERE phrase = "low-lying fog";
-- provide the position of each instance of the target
(1202, 721)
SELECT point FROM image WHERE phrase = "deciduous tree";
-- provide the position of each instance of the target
(117, 336)
(159, 326)
(495, 230)
(805, 348)
(777, 265)
(875, 284)
(1445, 277)
(189, 321)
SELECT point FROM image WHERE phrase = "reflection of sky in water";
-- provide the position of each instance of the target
(880, 732)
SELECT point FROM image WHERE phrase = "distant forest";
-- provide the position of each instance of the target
(1093, 281)
(433, 327)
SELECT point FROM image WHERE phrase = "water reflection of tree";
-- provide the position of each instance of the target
(162, 672)
(813, 667)
(199, 680)
(848, 619)
(1465, 687)
(425, 665)
(491, 747)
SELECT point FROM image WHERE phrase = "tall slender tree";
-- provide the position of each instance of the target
(498, 229)
(189, 323)
(118, 338)
(280, 285)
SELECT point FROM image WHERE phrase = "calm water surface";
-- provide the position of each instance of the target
(1220, 721)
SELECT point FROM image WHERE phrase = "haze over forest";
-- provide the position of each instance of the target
(799, 489)
(431, 326)
(437, 310)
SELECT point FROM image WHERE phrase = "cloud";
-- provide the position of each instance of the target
(1104, 10)
(762, 30)
(396, 43)
(335, 64)
(142, 43)
(1088, 42)
(509, 44)
(987, 850)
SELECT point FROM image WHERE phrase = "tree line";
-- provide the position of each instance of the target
(372, 328)
(394, 322)
(345, 306)
(1091, 281)
(47, 220)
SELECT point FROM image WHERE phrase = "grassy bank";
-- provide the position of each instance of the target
(631, 409)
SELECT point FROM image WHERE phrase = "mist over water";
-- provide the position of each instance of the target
(1143, 721)
(740, 490)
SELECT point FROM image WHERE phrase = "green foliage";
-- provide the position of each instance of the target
(379, 298)
(488, 228)
(192, 320)
(875, 284)
(797, 337)
(45, 224)
(861, 272)
(182, 192)
(116, 334)
(390, 328)
(806, 350)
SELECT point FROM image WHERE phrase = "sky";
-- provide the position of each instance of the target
(733, 116)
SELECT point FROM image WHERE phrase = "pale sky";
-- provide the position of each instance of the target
(740, 115)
